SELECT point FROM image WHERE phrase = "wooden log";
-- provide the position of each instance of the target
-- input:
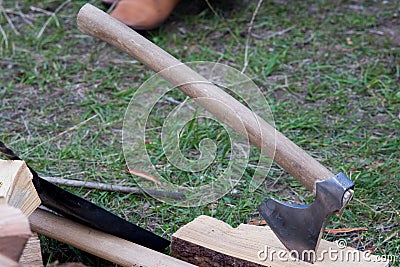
(14, 232)
(209, 242)
(32, 254)
(103, 245)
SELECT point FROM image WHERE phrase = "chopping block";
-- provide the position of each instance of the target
(207, 241)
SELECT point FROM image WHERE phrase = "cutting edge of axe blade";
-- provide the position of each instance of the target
(88, 213)
(300, 227)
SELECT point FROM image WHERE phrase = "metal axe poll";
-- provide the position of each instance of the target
(299, 227)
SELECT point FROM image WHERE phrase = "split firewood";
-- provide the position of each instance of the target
(16, 186)
(17, 190)
(14, 232)
(32, 254)
(207, 241)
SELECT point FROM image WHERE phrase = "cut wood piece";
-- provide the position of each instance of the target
(16, 186)
(209, 242)
(32, 254)
(103, 245)
(14, 232)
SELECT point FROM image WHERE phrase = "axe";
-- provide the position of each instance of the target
(299, 227)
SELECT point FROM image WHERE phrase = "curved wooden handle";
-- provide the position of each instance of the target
(288, 155)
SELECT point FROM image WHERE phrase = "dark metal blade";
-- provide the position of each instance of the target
(86, 212)
(298, 227)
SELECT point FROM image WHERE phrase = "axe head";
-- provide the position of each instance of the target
(300, 227)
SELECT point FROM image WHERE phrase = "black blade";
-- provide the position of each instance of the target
(86, 212)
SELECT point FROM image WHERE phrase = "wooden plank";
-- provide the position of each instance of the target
(209, 242)
(32, 254)
(14, 232)
(103, 245)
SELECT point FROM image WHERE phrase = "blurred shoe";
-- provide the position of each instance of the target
(142, 14)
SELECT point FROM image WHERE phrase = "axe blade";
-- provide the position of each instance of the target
(300, 227)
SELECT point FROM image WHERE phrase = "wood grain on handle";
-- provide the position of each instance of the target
(103, 245)
(288, 155)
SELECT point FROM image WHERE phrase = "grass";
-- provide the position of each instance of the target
(329, 69)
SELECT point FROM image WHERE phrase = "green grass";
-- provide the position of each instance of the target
(330, 71)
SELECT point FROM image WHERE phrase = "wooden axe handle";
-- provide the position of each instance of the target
(288, 155)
